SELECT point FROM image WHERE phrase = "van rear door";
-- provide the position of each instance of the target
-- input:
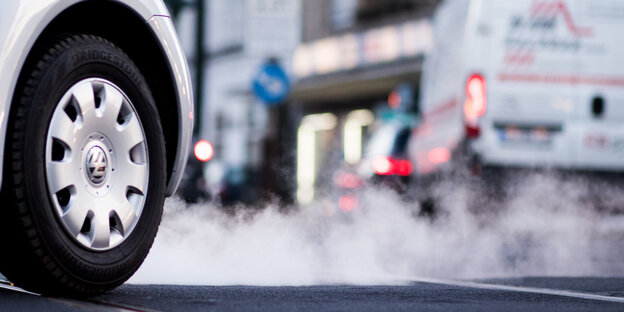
(525, 119)
(599, 120)
(550, 66)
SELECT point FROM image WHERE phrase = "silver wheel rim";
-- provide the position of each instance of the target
(96, 164)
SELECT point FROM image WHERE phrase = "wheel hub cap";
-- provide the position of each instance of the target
(96, 164)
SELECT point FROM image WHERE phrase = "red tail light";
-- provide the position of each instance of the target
(475, 105)
(391, 166)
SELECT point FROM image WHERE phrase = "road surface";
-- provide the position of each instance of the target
(519, 294)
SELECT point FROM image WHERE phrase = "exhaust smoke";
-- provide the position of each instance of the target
(546, 227)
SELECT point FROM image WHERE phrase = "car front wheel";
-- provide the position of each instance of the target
(85, 172)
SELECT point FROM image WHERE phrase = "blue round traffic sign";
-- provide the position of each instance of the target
(271, 84)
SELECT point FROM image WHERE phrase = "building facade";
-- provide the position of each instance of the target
(239, 36)
(354, 53)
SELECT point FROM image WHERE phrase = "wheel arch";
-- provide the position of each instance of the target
(128, 30)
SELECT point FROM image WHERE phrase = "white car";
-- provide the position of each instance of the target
(96, 117)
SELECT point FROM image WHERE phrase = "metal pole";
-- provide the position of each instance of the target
(199, 65)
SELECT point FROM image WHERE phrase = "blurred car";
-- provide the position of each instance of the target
(521, 84)
(95, 121)
(385, 158)
(384, 164)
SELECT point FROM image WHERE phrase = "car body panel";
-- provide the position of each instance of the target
(23, 22)
(163, 27)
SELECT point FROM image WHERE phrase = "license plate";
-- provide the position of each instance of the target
(526, 136)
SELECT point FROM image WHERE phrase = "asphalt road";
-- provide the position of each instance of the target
(520, 294)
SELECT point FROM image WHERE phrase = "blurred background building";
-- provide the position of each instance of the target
(343, 57)
(353, 55)
(236, 38)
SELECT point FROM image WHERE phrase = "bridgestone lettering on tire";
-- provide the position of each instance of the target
(84, 171)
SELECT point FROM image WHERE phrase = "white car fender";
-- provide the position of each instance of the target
(23, 21)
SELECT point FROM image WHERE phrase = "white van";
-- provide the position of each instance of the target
(523, 83)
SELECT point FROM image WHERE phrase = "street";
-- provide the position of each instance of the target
(526, 294)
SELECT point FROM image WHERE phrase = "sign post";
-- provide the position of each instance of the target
(272, 87)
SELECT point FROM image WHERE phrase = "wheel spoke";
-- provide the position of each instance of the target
(129, 135)
(61, 174)
(101, 228)
(84, 96)
(133, 175)
(63, 128)
(127, 215)
(110, 105)
(77, 214)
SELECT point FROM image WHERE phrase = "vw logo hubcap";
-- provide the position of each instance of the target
(96, 164)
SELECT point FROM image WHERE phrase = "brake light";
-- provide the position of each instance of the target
(391, 166)
(475, 104)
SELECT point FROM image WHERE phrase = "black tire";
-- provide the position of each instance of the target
(37, 253)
